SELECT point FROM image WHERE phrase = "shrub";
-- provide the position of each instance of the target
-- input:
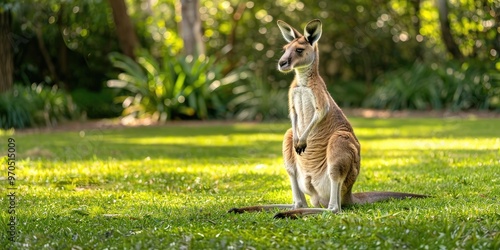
(97, 104)
(35, 105)
(423, 87)
(15, 112)
(256, 99)
(176, 87)
(348, 93)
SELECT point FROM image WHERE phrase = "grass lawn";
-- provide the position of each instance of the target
(169, 187)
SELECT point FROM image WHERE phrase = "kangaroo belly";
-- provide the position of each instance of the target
(304, 104)
(313, 178)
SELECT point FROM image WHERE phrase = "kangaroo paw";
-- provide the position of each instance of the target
(300, 148)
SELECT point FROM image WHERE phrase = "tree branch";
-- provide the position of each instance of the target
(45, 54)
(446, 34)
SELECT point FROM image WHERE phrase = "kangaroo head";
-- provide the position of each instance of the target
(301, 49)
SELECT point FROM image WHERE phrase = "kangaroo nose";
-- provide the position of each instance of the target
(283, 63)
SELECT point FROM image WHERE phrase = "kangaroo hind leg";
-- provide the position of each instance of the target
(343, 167)
(299, 199)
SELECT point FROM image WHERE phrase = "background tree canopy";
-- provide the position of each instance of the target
(204, 59)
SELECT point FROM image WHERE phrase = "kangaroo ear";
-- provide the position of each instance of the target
(312, 31)
(288, 32)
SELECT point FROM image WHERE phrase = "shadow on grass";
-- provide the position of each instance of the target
(202, 130)
(211, 154)
(221, 170)
(426, 128)
(105, 144)
(164, 182)
(188, 151)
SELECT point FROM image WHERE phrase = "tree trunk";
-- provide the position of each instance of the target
(446, 34)
(6, 54)
(124, 29)
(415, 19)
(496, 13)
(191, 28)
(46, 55)
(62, 56)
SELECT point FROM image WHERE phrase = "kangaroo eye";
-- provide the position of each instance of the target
(299, 50)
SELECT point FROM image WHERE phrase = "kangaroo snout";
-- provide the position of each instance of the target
(284, 64)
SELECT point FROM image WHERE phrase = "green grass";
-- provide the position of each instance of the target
(169, 187)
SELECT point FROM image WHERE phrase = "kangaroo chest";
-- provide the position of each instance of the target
(304, 103)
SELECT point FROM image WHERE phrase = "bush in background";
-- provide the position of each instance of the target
(97, 105)
(453, 87)
(173, 88)
(348, 94)
(254, 98)
(35, 105)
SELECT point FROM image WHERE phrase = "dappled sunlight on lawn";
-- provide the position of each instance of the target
(435, 143)
(181, 159)
(371, 129)
(173, 181)
(233, 139)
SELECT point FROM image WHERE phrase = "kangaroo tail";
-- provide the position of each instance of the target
(259, 208)
(371, 197)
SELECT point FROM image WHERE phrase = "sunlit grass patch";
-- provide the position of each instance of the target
(170, 187)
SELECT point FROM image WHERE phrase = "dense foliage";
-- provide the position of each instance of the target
(176, 87)
(35, 105)
(366, 47)
(423, 87)
(63, 43)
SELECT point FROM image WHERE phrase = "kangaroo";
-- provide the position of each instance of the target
(321, 152)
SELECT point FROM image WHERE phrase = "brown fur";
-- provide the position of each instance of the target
(320, 151)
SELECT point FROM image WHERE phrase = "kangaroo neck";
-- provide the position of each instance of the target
(305, 74)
